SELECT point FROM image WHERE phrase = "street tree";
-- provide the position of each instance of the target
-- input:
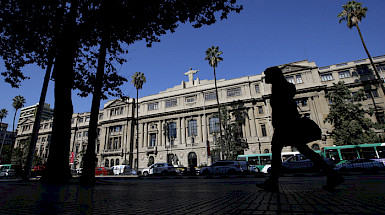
(71, 28)
(234, 117)
(18, 102)
(137, 79)
(213, 57)
(3, 114)
(352, 13)
(349, 119)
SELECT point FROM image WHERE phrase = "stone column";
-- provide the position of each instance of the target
(145, 132)
(183, 129)
(253, 127)
(199, 128)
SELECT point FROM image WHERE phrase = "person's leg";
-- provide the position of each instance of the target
(276, 162)
(271, 184)
(333, 178)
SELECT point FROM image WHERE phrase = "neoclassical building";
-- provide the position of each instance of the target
(188, 113)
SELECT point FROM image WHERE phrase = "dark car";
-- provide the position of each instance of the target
(37, 171)
(360, 164)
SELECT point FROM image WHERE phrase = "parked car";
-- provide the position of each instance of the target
(8, 170)
(300, 163)
(123, 170)
(37, 171)
(360, 164)
(226, 167)
(160, 169)
(103, 171)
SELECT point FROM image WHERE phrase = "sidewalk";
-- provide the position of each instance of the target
(298, 195)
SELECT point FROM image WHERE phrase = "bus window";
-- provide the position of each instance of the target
(349, 154)
(285, 157)
(265, 160)
(381, 151)
(253, 161)
(333, 154)
(367, 152)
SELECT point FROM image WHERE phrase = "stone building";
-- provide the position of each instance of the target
(188, 112)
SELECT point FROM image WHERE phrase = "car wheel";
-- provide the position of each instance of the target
(232, 172)
(206, 173)
(145, 173)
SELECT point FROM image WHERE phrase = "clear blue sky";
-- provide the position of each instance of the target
(264, 34)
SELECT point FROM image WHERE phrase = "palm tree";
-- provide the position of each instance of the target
(3, 114)
(137, 79)
(18, 102)
(213, 57)
(352, 13)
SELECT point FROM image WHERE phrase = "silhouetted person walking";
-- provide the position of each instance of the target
(291, 130)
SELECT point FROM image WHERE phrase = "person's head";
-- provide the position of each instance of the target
(273, 74)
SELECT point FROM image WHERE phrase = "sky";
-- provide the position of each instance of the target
(266, 33)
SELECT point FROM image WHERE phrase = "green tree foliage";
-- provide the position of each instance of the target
(352, 14)
(232, 120)
(3, 114)
(349, 119)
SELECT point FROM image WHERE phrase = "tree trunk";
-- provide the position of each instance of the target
(35, 129)
(137, 130)
(219, 116)
(58, 170)
(88, 175)
(13, 135)
(380, 81)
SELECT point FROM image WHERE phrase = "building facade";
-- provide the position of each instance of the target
(178, 125)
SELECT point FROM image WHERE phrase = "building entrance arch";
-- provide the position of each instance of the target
(192, 159)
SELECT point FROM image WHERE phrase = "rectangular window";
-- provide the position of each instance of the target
(298, 79)
(210, 96)
(115, 129)
(213, 125)
(153, 106)
(87, 119)
(344, 74)
(172, 131)
(257, 90)
(190, 99)
(192, 128)
(171, 103)
(101, 116)
(260, 109)
(263, 129)
(152, 140)
(327, 77)
(80, 120)
(370, 93)
(290, 79)
(234, 92)
(363, 70)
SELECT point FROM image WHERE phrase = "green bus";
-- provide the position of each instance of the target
(341, 154)
(263, 161)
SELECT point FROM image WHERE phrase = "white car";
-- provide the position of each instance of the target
(123, 170)
(225, 167)
(159, 168)
(8, 173)
(301, 163)
(360, 164)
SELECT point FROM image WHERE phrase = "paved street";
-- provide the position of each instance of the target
(298, 195)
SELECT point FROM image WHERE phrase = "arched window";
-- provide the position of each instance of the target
(315, 147)
(150, 161)
(192, 159)
(106, 163)
(112, 162)
(266, 151)
(117, 161)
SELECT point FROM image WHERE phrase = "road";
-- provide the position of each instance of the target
(360, 194)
